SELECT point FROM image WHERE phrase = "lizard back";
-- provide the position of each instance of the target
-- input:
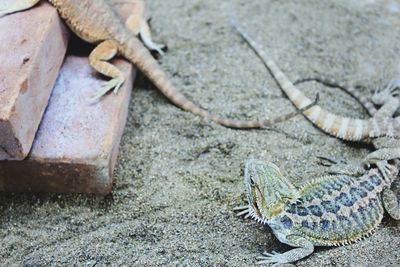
(93, 21)
(337, 210)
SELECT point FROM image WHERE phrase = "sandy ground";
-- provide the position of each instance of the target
(179, 176)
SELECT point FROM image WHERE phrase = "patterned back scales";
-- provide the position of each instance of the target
(337, 210)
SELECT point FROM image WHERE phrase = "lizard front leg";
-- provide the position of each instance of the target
(383, 154)
(304, 249)
(391, 203)
(16, 5)
(98, 60)
(388, 99)
(380, 158)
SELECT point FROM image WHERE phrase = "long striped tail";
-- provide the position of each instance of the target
(134, 51)
(341, 127)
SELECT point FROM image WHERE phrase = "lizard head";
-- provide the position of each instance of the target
(268, 191)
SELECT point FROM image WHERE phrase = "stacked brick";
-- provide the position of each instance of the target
(52, 137)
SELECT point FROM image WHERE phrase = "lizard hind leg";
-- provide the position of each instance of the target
(98, 60)
(145, 35)
(391, 203)
(16, 5)
(138, 25)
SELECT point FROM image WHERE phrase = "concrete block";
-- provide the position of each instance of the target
(76, 146)
(32, 49)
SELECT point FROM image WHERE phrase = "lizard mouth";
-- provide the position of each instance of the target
(255, 205)
(256, 202)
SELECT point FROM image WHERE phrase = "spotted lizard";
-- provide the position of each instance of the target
(328, 211)
(347, 198)
(96, 22)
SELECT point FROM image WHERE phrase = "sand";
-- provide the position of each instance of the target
(179, 176)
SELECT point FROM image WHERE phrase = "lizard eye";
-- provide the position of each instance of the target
(252, 183)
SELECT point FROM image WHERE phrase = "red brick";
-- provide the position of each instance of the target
(77, 142)
(32, 48)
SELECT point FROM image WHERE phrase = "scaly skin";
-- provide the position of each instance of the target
(382, 124)
(97, 22)
(329, 211)
(333, 210)
(382, 129)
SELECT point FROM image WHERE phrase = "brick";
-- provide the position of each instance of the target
(76, 146)
(32, 48)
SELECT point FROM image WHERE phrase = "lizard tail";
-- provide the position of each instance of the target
(349, 89)
(134, 51)
(338, 126)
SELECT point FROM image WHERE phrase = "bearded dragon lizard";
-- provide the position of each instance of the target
(329, 211)
(97, 22)
(333, 210)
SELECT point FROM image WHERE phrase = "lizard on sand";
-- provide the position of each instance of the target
(332, 210)
(382, 130)
(97, 22)
(328, 211)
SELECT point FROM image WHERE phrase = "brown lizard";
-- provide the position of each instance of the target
(319, 218)
(97, 22)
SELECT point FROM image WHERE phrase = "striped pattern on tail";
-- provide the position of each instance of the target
(134, 51)
(351, 90)
(341, 127)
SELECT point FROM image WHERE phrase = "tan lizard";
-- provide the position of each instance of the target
(97, 22)
(382, 130)
(382, 124)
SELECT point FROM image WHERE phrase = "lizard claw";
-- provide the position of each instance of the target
(391, 90)
(113, 84)
(386, 169)
(274, 257)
